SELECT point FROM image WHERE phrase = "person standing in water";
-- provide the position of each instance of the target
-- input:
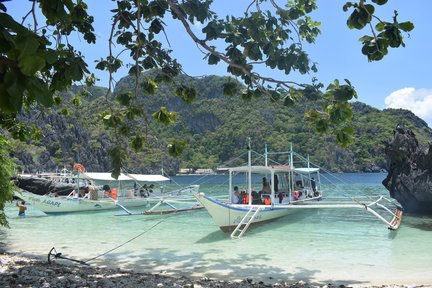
(22, 208)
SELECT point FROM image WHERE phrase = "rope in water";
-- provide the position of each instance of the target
(58, 255)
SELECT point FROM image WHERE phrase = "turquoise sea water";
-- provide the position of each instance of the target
(317, 246)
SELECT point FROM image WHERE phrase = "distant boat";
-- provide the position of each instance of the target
(94, 198)
(292, 189)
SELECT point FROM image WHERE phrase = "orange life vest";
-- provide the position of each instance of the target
(114, 193)
(245, 198)
(267, 201)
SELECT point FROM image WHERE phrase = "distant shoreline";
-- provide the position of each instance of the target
(18, 270)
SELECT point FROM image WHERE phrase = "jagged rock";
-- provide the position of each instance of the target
(42, 186)
(409, 178)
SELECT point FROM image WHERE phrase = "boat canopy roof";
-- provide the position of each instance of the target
(148, 178)
(306, 170)
(124, 177)
(275, 169)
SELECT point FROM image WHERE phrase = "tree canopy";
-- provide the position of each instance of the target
(37, 61)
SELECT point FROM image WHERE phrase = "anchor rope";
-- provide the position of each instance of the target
(130, 240)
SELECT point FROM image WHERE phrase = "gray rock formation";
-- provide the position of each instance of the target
(409, 178)
(43, 186)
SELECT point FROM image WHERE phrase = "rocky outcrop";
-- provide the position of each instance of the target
(42, 186)
(409, 178)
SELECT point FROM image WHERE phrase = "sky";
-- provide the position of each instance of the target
(400, 80)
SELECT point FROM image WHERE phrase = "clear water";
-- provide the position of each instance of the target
(319, 246)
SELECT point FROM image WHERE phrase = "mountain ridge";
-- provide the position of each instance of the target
(214, 126)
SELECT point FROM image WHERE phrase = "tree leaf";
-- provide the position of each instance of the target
(30, 64)
(176, 148)
(40, 91)
(406, 26)
(164, 116)
(213, 59)
(149, 86)
(380, 2)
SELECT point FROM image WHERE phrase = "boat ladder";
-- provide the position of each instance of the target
(245, 222)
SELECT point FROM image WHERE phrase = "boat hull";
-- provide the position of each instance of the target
(53, 205)
(228, 216)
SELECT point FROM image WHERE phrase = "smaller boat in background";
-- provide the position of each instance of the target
(89, 194)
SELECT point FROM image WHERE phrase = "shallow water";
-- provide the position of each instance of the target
(344, 245)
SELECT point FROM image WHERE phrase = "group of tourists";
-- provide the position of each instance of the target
(264, 196)
(261, 197)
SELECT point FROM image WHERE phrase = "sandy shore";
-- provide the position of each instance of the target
(17, 270)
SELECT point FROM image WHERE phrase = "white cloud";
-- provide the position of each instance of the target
(419, 101)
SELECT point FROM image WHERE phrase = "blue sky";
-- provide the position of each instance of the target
(400, 80)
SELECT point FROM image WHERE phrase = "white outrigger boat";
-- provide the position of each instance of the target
(292, 190)
(97, 199)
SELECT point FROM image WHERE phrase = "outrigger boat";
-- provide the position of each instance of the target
(98, 198)
(292, 189)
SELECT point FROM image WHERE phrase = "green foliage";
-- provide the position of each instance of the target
(6, 172)
(117, 156)
(375, 47)
(164, 116)
(176, 148)
(27, 59)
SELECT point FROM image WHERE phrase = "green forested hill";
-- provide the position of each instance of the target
(214, 126)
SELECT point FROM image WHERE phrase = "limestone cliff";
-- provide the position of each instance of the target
(409, 178)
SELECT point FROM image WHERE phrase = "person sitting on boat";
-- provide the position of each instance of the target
(280, 196)
(235, 199)
(83, 191)
(255, 197)
(92, 192)
(144, 191)
(22, 208)
(266, 200)
(297, 194)
(150, 190)
(244, 197)
(107, 190)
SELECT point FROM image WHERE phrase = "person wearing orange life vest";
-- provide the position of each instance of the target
(267, 200)
(245, 198)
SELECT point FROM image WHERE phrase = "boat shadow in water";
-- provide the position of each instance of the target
(215, 236)
(260, 227)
